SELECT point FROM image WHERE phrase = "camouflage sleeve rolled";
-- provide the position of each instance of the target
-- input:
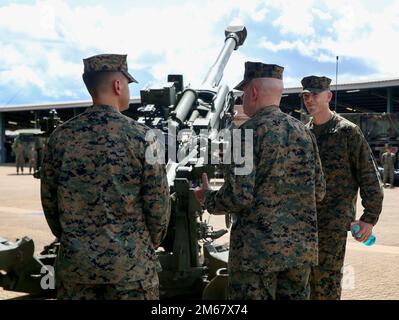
(367, 177)
(234, 196)
(156, 198)
(48, 190)
(320, 182)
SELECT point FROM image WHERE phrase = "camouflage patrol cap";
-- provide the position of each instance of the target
(107, 63)
(315, 84)
(259, 70)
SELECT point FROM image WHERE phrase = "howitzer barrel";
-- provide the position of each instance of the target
(185, 103)
(219, 104)
(235, 37)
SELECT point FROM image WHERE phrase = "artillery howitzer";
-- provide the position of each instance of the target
(188, 121)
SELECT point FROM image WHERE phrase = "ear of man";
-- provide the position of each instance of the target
(254, 91)
(117, 86)
(329, 96)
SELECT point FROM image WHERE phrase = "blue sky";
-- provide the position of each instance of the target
(43, 42)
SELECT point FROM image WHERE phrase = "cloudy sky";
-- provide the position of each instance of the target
(42, 43)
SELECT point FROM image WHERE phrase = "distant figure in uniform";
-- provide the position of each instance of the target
(394, 150)
(18, 149)
(32, 159)
(388, 162)
(108, 206)
(273, 241)
(386, 147)
(348, 165)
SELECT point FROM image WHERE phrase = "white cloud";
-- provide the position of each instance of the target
(9, 55)
(22, 76)
(275, 47)
(322, 15)
(305, 47)
(259, 15)
(326, 58)
(366, 34)
(28, 20)
(295, 16)
(357, 31)
(49, 38)
(291, 82)
(183, 36)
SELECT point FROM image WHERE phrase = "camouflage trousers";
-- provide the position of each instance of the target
(325, 284)
(291, 284)
(138, 290)
(32, 165)
(325, 279)
(389, 175)
(20, 163)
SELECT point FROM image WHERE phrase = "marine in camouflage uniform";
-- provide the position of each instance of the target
(273, 240)
(107, 205)
(348, 165)
(18, 149)
(388, 162)
(32, 158)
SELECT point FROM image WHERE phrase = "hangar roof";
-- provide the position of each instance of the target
(366, 96)
(56, 105)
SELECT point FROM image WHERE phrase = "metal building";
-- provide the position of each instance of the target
(13, 118)
(373, 105)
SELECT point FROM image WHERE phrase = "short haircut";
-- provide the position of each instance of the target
(95, 80)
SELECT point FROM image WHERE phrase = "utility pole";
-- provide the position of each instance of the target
(336, 85)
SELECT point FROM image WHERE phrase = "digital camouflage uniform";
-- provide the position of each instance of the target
(18, 149)
(388, 162)
(107, 205)
(273, 238)
(32, 159)
(348, 165)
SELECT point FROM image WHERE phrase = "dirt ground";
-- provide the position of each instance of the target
(371, 273)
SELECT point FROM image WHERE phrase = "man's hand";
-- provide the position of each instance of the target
(364, 232)
(199, 192)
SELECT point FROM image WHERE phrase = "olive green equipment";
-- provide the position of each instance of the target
(47, 126)
(188, 120)
(23, 271)
(379, 129)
